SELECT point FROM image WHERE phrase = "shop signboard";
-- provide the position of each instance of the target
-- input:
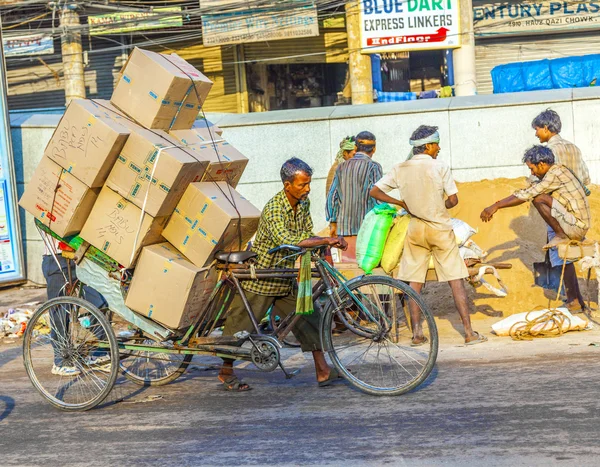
(267, 23)
(127, 21)
(407, 25)
(12, 266)
(34, 44)
(546, 17)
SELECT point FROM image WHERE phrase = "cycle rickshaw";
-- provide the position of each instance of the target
(365, 330)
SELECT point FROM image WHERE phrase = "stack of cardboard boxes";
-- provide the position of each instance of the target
(133, 172)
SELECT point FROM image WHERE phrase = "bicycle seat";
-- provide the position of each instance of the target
(235, 256)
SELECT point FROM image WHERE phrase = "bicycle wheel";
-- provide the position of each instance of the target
(370, 340)
(70, 334)
(152, 368)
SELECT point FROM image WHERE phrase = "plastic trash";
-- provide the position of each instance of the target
(462, 230)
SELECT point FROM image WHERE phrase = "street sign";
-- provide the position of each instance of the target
(509, 19)
(261, 24)
(34, 44)
(116, 23)
(406, 25)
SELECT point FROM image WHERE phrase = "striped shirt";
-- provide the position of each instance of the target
(348, 200)
(569, 155)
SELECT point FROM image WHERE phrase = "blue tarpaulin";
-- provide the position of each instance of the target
(568, 72)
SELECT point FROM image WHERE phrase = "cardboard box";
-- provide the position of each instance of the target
(205, 221)
(86, 142)
(58, 199)
(168, 288)
(160, 91)
(114, 227)
(227, 164)
(153, 173)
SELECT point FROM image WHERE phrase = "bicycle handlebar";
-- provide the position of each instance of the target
(293, 248)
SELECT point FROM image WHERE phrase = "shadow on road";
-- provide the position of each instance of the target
(9, 405)
(10, 354)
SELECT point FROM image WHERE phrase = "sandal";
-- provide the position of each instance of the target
(419, 343)
(333, 375)
(233, 383)
(480, 339)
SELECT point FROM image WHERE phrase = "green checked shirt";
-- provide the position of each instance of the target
(279, 225)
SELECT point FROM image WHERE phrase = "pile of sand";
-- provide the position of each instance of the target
(515, 235)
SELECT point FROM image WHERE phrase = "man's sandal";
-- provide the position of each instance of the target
(480, 339)
(333, 376)
(234, 384)
(419, 342)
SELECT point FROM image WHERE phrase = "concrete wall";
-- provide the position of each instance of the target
(482, 137)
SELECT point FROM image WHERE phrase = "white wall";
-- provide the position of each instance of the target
(482, 137)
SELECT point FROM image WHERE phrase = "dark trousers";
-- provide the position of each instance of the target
(59, 318)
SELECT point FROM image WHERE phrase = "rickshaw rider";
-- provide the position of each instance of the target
(285, 220)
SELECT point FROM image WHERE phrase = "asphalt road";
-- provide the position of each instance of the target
(533, 411)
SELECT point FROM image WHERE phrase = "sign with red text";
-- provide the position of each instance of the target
(407, 25)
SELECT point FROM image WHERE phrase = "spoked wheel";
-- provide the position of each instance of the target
(152, 367)
(70, 353)
(370, 340)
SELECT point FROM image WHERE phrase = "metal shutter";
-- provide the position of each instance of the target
(492, 52)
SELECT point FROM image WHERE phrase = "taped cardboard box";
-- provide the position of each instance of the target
(227, 164)
(116, 227)
(206, 221)
(58, 199)
(160, 91)
(152, 172)
(86, 142)
(168, 288)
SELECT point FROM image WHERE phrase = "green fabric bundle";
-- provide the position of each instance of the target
(304, 302)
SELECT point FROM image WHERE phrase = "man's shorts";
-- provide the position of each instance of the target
(422, 242)
(568, 222)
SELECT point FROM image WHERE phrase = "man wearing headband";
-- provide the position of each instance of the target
(348, 199)
(423, 181)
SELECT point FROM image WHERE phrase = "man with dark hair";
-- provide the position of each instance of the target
(547, 126)
(422, 181)
(285, 220)
(348, 199)
(560, 199)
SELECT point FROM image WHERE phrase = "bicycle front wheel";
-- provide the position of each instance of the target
(70, 353)
(370, 340)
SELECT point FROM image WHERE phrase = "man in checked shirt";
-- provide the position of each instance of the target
(560, 199)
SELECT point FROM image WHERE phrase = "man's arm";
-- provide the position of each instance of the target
(488, 213)
(451, 201)
(313, 242)
(332, 205)
(379, 195)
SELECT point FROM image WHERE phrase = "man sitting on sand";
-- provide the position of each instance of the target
(560, 199)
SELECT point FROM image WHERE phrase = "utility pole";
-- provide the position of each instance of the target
(72, 57)
(465, 77)
(361, 80)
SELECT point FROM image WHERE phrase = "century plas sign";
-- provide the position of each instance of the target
(522, 18)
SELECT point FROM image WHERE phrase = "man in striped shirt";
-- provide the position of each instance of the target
(348, 200)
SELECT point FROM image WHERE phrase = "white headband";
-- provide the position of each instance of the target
(433, 138)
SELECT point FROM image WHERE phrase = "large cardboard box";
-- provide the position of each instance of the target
(160, 91)
(227, 164)
(117, 227)
(168, 288)
(206, 221)
(58, 199)
(86, 142)
(152, 172)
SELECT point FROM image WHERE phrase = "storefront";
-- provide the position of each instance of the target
(512, 32)
(413, 71)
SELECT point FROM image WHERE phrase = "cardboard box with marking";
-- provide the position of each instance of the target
(206, 220)
(160, 91)
(116, 227)
(168, 288)
(152, 172)
(87, 142)
(227, 164)
(58, 199)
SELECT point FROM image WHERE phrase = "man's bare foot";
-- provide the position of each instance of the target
(555, 242)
